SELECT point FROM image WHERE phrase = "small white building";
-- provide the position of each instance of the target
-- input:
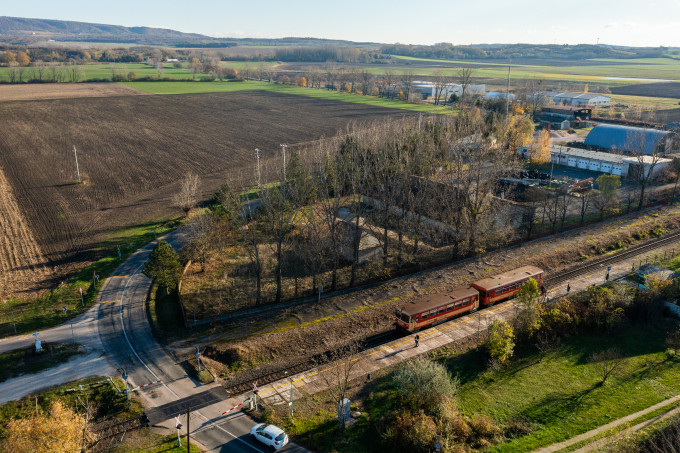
(566, 98)
(429, 89)
(499, 95)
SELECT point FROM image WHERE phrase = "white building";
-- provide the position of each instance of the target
(429, 89)
(499, 95)
(581, 99)
(614, 164)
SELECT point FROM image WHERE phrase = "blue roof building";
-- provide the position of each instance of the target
(626, 138)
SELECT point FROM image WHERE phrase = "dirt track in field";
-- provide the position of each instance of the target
(44, 91)
(133, 150)
(22, 265)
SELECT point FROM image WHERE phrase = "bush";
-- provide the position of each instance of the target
(412, 433)
(484, 427)
(500, 344)
(425, 384)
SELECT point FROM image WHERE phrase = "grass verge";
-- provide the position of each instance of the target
(110, 405)
(27, 361)
(21, 316)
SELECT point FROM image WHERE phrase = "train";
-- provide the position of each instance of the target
(434, 309)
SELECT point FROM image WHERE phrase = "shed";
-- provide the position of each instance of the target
(626, 138)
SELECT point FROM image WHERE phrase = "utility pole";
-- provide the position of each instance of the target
(507, 94)
(290, 399)
(283, 153)
(75, 154)
(259, 173)
(188, 420)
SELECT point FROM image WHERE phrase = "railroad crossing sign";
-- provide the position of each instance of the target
(255, 390)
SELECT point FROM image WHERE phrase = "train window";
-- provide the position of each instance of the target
(405, 318)
(433, 313)
(424, 316)
(442, 310)
(450, 307)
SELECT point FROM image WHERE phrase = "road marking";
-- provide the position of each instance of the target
(109, 301)
(156, 376)
(121, 276)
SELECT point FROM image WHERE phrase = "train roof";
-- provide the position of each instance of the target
(507, 277)
(437, 300)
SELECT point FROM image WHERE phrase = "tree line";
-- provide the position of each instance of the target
(418, 188)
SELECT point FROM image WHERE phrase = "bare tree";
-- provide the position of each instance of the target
(201, 239)
(406, 79)
(343, 360)
(464, 79)
(75, 71)
(366, 78)
(647, 154)
(187, 196)
(607, 362)
(441, 82)
(40, 69)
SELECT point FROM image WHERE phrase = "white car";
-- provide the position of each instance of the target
(269, 435)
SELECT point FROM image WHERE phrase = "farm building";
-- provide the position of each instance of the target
(631, 139)
(429, 89)
(615, 164)
(564, 117)
(498, 95)
(581, 99)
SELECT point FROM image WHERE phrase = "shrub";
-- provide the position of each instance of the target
(425, 384)
(484, 427)
(500, 344)
(412, 432)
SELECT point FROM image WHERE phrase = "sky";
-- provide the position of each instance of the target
(621, 22)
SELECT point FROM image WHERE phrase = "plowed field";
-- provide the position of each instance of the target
(132, 151)
(42, 91)
(22, 264)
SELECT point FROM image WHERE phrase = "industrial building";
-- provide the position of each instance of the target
(615, 164)
(630, 139)
(590, 99)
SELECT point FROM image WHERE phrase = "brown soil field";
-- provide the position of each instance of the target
(660, 90)
(44, 91)
(133, 150)
(22, 264)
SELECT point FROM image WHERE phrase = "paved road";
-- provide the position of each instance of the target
(127, 340)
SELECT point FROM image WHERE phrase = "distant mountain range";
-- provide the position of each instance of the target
(19, 30)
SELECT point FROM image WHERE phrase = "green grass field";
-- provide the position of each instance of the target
(557, 397)
(227, 87)
(141, 70)
(645, 68)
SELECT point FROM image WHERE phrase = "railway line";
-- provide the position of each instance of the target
(245, 384)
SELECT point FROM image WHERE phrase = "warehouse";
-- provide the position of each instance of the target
(630, 139)
(581, 99)
(614, 164)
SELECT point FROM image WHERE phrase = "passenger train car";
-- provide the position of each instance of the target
(437, 308)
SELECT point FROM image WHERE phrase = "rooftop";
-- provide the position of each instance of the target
(569, 95)
(625, 138)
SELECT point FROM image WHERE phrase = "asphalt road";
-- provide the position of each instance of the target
(127, 340)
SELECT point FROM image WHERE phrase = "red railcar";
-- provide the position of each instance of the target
(506, 285)
(436, 308)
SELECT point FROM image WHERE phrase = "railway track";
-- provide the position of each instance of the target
(586, 268)
(246, 384)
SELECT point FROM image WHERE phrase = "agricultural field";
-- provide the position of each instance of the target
(44, 91)
(132, 150)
